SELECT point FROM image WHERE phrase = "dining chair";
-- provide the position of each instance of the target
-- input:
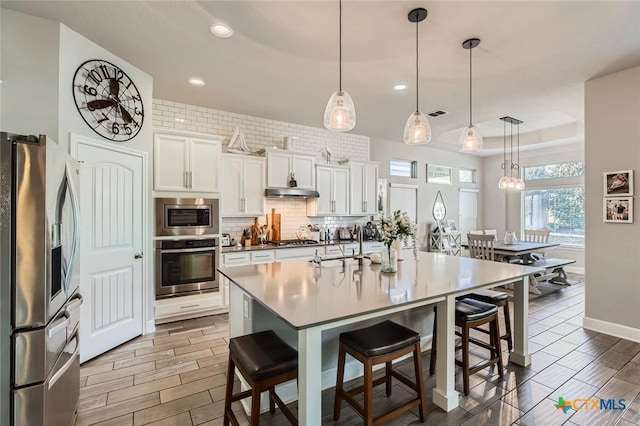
(493, 232)
(536, 236)
(481, 246)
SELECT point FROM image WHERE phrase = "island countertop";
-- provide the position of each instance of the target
(304, 295)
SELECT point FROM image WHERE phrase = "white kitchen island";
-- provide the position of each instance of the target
(310, 301)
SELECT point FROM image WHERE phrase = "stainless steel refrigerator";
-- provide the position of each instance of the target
(39, 282)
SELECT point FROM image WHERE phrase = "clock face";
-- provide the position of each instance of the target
(108, 100)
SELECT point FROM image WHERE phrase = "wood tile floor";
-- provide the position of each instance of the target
(176, 377)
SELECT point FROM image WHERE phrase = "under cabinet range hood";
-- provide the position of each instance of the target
(291, 192)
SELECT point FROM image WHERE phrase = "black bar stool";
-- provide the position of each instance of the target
(264, 360)
(470, 314)
(377, 344)
(500, 299)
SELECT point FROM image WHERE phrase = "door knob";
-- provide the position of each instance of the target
(137, 256)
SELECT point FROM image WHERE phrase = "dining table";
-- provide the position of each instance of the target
(521, 248)
(307, 304)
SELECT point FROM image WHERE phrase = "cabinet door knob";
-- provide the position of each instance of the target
(137, 256)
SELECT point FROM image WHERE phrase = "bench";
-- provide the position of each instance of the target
(555, 273)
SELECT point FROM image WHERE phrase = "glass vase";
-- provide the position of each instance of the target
(398, 244)
(389, 260)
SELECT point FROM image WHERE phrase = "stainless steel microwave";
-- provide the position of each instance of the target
(187, 216)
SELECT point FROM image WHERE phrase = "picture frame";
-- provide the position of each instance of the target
(438, 174)
(452, 225)
(617, 210)
(618, 183)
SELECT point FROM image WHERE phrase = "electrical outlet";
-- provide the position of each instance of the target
(246, 308)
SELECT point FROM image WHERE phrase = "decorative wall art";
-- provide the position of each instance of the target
(438, 174)
(618, 183)
(618, 210)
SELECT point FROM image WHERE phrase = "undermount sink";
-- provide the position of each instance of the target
(338, 262)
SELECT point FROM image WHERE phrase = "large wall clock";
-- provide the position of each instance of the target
(108, 100)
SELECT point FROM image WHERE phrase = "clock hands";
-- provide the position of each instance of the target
(100, 104)
(114, 88)
(125, 114)
(106, 103)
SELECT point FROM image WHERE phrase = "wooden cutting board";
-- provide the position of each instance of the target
(276, 227)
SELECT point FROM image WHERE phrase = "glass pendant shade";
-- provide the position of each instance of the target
(340, 113)
(417, 130)
(519, 184)
(470, 140)
(503, 182)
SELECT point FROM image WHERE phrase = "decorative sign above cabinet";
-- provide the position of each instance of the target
(108, 100)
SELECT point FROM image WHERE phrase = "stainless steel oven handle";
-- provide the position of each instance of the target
(58, 374)
(187, 250)
(60, 324)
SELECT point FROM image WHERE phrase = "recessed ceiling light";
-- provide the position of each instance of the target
(399, 87)
(221, 30)
(196, 81)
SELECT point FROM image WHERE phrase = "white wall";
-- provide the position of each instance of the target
(29, 74)
(612, 117)
(502, 210)
(383, 151)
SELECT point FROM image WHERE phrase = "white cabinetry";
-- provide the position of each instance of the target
(183, 307)
(363, 188)
(186, 162)
(332, 183)
(243, 183)
(280, 165)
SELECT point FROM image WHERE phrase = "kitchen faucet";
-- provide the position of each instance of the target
(360, 234)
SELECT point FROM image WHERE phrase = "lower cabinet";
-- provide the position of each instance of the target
(184, 307)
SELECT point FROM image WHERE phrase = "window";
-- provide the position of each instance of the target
(559, 210)
(555, 171)
(466, 175)
(403, 168)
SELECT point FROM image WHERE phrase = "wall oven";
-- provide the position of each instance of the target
(186, 266)
(187, 216)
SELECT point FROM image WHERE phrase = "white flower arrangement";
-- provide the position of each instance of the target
(398, 226)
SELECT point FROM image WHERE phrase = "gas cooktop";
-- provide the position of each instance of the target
(289, 243)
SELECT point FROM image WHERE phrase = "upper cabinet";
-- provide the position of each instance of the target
(281, 164)
(363, 192)
(243, 183)
(186, 163)
(332, 183)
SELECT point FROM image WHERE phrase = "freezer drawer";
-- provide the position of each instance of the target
(37, 351)
(54, 401)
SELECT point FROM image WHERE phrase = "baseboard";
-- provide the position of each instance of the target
(150, 328)
(574, 269)
(612, 329)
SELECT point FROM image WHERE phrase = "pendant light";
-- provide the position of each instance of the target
(417, 130)
(340, 113)
(470, 139)
(510, 182)
(519, 180)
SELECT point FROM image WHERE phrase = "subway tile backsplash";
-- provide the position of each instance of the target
(264, 133)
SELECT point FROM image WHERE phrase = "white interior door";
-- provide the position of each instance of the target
(111, 204)
(468, 220)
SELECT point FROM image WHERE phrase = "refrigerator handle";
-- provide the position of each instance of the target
(76, 223)
(58, 374)
(61, 324)
(74, 303)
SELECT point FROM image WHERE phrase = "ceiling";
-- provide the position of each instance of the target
(282, 61)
